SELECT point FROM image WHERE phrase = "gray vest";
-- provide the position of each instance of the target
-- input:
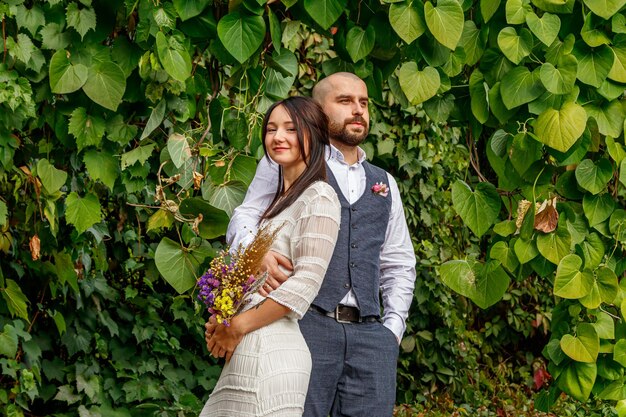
(356, 261)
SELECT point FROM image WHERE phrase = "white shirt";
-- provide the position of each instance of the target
(397, 258)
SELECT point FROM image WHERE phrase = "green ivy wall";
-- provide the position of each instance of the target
(129, 130)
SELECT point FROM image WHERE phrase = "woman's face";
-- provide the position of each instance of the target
(281, 141)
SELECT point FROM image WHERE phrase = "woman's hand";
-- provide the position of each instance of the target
(223, 340)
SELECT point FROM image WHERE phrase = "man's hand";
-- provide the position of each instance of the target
(223, 340)
(275, 276)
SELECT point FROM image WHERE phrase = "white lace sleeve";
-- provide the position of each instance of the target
(312, 244)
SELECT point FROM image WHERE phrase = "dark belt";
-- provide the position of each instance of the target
(345, 314)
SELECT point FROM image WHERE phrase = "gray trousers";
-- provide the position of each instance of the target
(354, 368)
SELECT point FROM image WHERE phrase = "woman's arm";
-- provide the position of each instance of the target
(313, 240)
(225, 339)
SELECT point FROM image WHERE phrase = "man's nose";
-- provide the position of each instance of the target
(357, 108)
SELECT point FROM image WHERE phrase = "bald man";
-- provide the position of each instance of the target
(354, 349)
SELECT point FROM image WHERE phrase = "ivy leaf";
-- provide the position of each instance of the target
(570, 282)
(64, 77)
(445, 21)
(324, 12)
(214, 221)
(484, 284)
(102, 166)
(15, 300)
(8, 341)
(546, 28)
(407, 20)
(242, 34)
(359, 42)
(560, 79)
(243, 169)
(608, 116)
(53, 37)
(615, 149)
(161, 219)
(179, 266)
(179, 149)
(120, 131)
(88, 130)
(525, 250)
(604, 290)
(226, 196)
(505, 254)
(174, 57)
(23, 49)
(4, 213)
(515, 47)
(520, 86)
(618, 70)
(556, 245)
(488, 8)
(478, 91)
(584, 346)
(594, 64)
(82, 212)
(619, 352)
(516, 11)
(524, 152)
(156, 117)
(559, 129)
(418, 86)
(276, 32)
(51, 178)
(605, 8)
(281, 74)
(593, 33)
(83, 20)
(594, 176)
(473, 42)
(29, 19)
(598, 208)
(64, 268)
(479, 209)
(187, 9)
(593, 250)
(105, 84)
(139, 154)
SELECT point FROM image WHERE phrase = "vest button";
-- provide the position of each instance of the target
(353, 246)
(353, 208)
(346, 285)
(352, 265)
(354, 225)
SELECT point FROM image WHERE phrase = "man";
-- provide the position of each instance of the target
(354, 355)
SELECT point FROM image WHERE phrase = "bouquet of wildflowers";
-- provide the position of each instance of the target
(231, 277)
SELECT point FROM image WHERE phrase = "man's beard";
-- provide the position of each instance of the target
(339, 132)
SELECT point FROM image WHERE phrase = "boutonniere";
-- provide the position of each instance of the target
(380, 188)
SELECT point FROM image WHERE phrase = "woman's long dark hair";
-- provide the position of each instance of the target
(310, 123)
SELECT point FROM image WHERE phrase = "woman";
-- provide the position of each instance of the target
(268, 372)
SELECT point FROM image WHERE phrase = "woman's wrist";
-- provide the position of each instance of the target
(238, 325)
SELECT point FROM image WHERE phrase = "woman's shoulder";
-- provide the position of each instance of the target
(321, 190)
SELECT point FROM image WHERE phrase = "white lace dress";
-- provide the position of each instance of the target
(268, 374)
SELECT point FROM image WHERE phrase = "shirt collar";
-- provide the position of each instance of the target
(334, 153)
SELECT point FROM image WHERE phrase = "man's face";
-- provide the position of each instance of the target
(346, 107)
